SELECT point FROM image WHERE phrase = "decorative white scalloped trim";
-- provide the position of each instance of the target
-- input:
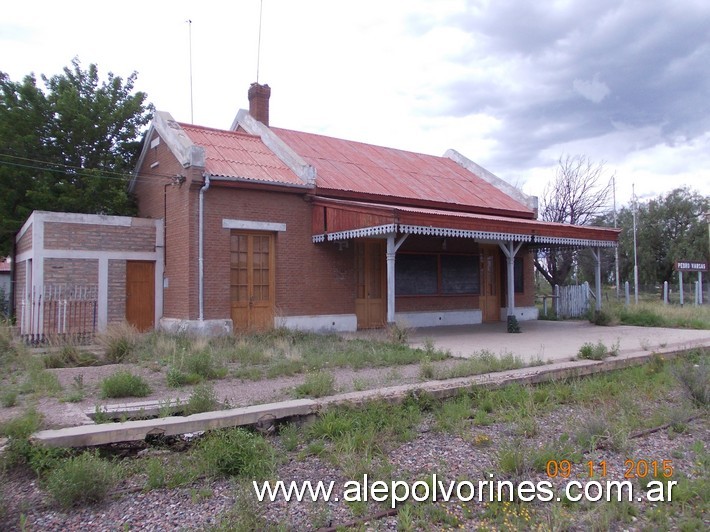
(574, 241)
(363, 233)
(461, 233)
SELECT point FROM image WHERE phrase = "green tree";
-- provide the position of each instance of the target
(670, 227)
(69, 146)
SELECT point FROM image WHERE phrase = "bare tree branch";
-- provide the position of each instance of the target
(577, 195)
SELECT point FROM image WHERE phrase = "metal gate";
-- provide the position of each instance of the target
(62, 312)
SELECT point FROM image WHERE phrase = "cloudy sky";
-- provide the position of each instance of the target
(511, 84)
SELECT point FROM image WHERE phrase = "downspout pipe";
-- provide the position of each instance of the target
(201, 247)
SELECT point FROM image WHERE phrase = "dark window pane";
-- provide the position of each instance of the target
(416, 275)
(460, 274)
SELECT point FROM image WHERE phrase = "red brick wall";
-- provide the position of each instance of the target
(116, 291)
(311, 279)
(90, 237)
(25, 243)
(158, 192)
(71, 271)
(20, 279)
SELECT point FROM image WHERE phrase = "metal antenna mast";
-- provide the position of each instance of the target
(258, 47)
(192, 112)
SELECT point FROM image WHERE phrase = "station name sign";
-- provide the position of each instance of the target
(691, 266)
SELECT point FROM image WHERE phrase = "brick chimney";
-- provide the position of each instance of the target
(259, 102)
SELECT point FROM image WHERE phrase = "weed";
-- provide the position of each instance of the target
(398, 333)
(426, 369)
(359, 384)
(18, 430)
(124, 384)
(235, 452)
(695, 380)
(317, 384)
(176, 378)
(83, 479)
(39, 380)
(246, 514)
(591, 351)
(155, 472)
(70, 356)
(202, 399)
(453, 415)
(482, 362)
(602, 318)
(596, 433)
(119, 342)
(290, 437)
(512, 459)
(481, 440)
(526, 427)
(8, 397)
(101, 416)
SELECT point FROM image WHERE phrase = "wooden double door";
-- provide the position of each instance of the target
(252, 280)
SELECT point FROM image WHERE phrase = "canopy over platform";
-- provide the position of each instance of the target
(342, 220)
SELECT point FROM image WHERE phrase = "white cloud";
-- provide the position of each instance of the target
(593, 90)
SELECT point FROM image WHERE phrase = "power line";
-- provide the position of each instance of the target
(73, 171)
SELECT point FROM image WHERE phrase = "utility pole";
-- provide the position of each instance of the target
(616, 249)
(189, 29)
(636, 264)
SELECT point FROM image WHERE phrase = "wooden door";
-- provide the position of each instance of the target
(252, 280)
(490, 283)
(140, 294)
(371, 297)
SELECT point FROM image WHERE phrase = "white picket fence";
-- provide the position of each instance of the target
(572, 301)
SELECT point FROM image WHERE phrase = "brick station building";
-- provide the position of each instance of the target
(264, 227)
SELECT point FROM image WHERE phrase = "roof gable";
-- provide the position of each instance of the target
(239, 156)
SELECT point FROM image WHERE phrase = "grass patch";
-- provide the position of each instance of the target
(124, 384)
(591, 351)
(69, 356)
(8, 397)
(120, 342)
(695, 380)
(235, 453)
(317, 384)
(202, 399)
(655, 314)
(82, 479)
(39, 380)
(482, 362)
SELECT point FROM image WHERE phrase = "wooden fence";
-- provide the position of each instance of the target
(59, 312)
(572, 301)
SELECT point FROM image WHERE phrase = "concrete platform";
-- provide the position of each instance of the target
(555, 340)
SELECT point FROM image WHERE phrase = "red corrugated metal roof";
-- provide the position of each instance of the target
(343, 165)
(238, 155)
